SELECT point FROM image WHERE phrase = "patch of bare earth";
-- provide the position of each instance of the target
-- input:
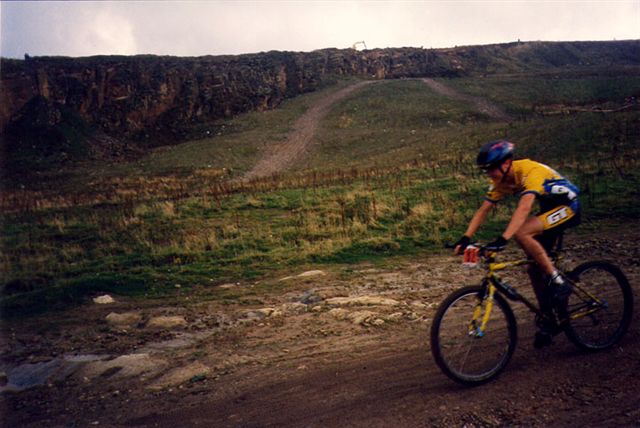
(299, 141)
(322, 348)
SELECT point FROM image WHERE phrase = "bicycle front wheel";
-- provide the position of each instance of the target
(462, 352)
(599, 309)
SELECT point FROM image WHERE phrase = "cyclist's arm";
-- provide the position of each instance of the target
(520, 215)
(478, 218)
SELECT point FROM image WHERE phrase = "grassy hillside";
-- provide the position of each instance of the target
(393, 175)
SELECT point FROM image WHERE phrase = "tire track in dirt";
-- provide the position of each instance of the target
(483, 105)
(300, 139)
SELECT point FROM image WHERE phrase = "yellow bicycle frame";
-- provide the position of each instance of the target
(480, 320)
(474, 328)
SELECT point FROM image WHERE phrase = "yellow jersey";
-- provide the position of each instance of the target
(533, 177)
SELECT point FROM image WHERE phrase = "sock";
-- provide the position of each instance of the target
(556, 278)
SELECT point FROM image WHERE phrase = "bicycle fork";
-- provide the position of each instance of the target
(477, 326)
(480, 319)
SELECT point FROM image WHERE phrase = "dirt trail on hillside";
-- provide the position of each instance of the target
(483, 105)
(319, 349)
(299, 140)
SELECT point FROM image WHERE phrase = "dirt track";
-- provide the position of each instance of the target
(300, 139)
(315, 358)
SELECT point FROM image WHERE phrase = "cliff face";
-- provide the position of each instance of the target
(125, 95)
(129, 96)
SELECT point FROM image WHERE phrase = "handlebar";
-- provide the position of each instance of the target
(451, 246)
(481, 253)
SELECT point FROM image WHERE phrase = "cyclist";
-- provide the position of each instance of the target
(536, 234)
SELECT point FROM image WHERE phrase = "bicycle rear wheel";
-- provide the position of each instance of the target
(600, 308)
(462, 354)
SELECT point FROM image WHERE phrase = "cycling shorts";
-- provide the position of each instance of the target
(556, 220)
(561, 216)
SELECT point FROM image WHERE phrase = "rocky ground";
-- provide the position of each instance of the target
(342, 347)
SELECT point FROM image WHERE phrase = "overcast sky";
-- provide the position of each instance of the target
(192, 28)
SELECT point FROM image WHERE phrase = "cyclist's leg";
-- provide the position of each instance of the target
(547, 239)
(554, 221)
(526, 238)
(535, 235)
(537, 278)
(545, 323)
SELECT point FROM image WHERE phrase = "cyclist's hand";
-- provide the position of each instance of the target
(461, 244)
(497, 245)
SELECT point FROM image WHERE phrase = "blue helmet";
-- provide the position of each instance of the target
(493, 153)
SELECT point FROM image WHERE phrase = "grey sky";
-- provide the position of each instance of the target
(191, 28)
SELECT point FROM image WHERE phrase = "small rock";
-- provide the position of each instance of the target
(252, 316)
(362, 317)
(266, 311)
(311, 273)
(227, 286)
(310, 297)
(276, 313)
(339, 314)
(181, 375)
(122, 366)
(412, 316)
(123, 319)
(294, 308)
(396, 316)
(363, 300)
(167, 322)
(103, 300)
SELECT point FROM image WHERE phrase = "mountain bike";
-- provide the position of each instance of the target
(474, 331)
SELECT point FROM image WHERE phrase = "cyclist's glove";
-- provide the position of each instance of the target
(463, 243)
(498, 245)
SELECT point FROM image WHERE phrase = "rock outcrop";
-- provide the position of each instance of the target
(139, 96)
(128, 95)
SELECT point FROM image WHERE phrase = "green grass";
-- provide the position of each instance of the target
(399, 120)
(392, 176)
(519, 94)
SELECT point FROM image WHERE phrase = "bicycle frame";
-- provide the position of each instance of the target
(492, 282)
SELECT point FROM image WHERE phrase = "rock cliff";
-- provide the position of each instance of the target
(128, 94)
(132, 97)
